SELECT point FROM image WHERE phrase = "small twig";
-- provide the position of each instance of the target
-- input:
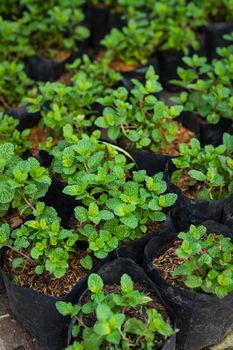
(4, 316)
(86, 167)
(27, 202)
(19, 252)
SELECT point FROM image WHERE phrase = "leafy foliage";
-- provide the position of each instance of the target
(14, 44)
(207, 261)
(115, 205)
(112, 326)
(53, 26)
(135, 43)
(211, 166)
(217, 10)
(208, 86)
(47, 244)
(9, 133)
(61, 105)
(139, 120)
(178, 20)
(13, 84)
(22, 182)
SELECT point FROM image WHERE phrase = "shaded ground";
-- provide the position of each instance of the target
(12, 335)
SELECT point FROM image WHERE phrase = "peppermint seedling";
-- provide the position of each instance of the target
(10, 134)
(40, 241)
(112, 325)
(22, 182)
(115, 205)
(207, 261)
(211, 167)
(139, 120)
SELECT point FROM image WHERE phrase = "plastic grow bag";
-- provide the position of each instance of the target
(43, 69)
(151, 162)
(187, 211)
(62, 203)
(38, 314)
(214, 33)
(169, 61)
(26, 119)
(98, 18)
(134, 250)
(111, 274)
(202, 319)
(206, 133)
(228, 212)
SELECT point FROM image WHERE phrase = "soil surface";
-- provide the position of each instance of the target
(166, 263)
(45, 283)
(188, 186)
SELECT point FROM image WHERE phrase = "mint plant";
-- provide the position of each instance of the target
(41, 242)
(61, 105)
(211, 167)
(73, 104)
(14, 84)
(115, 323)
(14, 44)
(207, 261)
(115, 204)
(10, 134)
(208, 87)
(56, 27)
(22, 182)
(139, 120)
(99, 72)
(134, 44)
(178, 21)
(220, 10)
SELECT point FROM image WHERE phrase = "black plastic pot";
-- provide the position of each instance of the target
(135, 249)
(202, 319)
(38, 314)
(63, 203)
(151, 162)
(139, 73)
(26, 119)
(187, 211)
(111, 274)
(228, 212)
(99, 24)
(169, 61)
(43, 69)
(213, 133)
(206, 133)
(2, 285)
(190, 121)
(100, 21)
(214, 37)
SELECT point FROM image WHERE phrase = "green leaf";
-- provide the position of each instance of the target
(126, 283)
(193, 282)
(130, 220)
(81, 214)
(65, 309)
(95, 283)
(17, 262)
(103, 312)
(6, 193)
(197, 175)
(102, 328)
(87, 262)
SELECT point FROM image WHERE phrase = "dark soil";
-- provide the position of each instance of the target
(45, 283)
